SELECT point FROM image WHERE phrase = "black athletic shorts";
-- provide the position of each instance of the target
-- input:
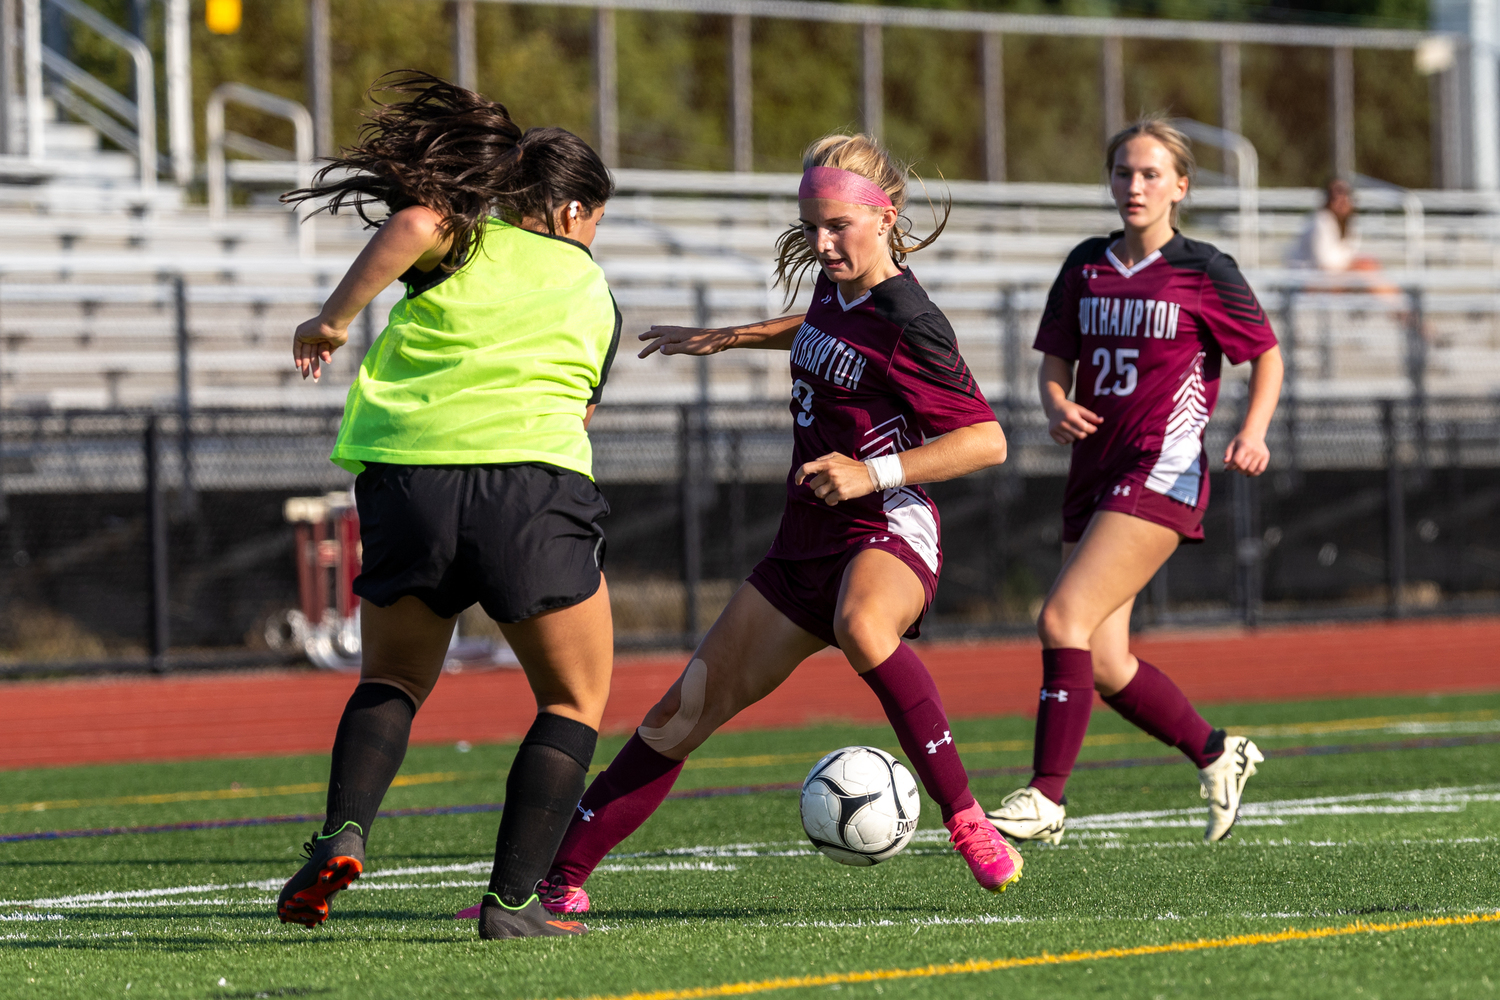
(517, 539)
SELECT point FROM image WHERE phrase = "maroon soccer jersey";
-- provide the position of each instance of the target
(1149, 342)
(872, 377)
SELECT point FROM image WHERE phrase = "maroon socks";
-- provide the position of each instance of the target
(1152, 702)
(915, 711)
(613, 808)
(1062, 718)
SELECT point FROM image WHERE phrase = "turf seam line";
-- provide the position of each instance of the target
(1045, 958)
(1434, 743)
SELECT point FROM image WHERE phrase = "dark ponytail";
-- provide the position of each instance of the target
(453, 151)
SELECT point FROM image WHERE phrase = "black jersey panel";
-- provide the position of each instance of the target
(933, 345)
(1234, 291)
(900, 299)
(1089, 251)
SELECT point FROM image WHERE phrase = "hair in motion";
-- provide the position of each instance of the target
(461, 155)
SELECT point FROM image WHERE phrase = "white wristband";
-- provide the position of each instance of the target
(886, 472)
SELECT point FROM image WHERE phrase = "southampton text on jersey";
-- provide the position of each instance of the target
(1115, 317)
(827, 357)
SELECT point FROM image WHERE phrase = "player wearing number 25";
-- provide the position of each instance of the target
(1143, 319)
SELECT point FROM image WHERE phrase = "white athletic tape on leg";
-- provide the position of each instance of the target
(667, 737)
(886, 472)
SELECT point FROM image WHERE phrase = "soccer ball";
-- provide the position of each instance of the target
(859, 806)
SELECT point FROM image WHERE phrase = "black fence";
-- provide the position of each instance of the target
(135, 539)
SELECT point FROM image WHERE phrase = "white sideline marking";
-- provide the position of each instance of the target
(1094, 827)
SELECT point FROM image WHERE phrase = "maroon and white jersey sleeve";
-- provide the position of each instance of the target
(872, 377)
(1149, 342)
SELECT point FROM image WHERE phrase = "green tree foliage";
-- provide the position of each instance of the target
(674, 93)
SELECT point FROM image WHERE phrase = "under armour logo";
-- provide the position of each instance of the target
(1122, 491)
(932, 745)
(1090, 273)
(827, 299)
(588, 814)
(1058, 696)
(882, 538)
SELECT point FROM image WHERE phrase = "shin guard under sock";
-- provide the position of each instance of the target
(541, 795)
(613, 808)
(915, 710)
(367, 753)
(1152, 702)
(1062, 718)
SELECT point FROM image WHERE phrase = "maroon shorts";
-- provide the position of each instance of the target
(1131, 496)
(807, 590)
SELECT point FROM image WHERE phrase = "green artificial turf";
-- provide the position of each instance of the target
(724, 890)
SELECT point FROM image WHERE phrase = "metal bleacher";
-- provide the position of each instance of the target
(109, 298)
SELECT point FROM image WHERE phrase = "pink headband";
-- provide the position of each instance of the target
(841, 185)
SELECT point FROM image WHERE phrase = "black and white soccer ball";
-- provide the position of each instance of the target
(860, 806)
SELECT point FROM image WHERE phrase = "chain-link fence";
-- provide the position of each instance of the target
(133, 538)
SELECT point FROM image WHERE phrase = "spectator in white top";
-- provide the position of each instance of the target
(1329, 241)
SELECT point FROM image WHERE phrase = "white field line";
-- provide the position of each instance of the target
(1275, 813)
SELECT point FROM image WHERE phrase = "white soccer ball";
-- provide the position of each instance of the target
(859, 806)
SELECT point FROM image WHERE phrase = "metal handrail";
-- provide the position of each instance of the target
(218, 168)
(142, 114)
(1247, 165)
(1321, 36)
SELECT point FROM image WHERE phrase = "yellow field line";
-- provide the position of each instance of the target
(1354, 725)
(1002, 964)
(214, 794)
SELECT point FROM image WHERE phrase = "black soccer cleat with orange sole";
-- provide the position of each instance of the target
(333, 862)
(498, 921)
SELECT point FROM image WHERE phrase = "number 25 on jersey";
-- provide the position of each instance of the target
(1124, 368)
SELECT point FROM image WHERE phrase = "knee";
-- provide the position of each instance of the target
(862, 638)
(1052, 626)
(674, 727)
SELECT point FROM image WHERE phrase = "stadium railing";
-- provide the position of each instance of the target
(115, 551)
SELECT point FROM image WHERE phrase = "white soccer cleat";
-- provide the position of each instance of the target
(1224, 783)
(1027, 814)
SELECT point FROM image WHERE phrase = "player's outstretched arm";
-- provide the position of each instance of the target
(1248, 453)
(836, 477)
(409, 237)
(771, 335)
(1067, 421)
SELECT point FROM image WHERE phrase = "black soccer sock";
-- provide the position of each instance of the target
(367, 753)
(541, 793)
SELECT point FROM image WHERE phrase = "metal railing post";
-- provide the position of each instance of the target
(692, 534)
(31, 35)
(319, 77)
(1112, 84)
(741, 94)
(873, 71)
(1395, 513)
(187, 499)
(1293, 373)
(1010, 345)
(8, 46)
(992, 81)
(179, 59)
(465, 58)
(606, 87)
(157, 621)
(1247, 547)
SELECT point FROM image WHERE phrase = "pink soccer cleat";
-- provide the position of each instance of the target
(562, 898)
(993, 861)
